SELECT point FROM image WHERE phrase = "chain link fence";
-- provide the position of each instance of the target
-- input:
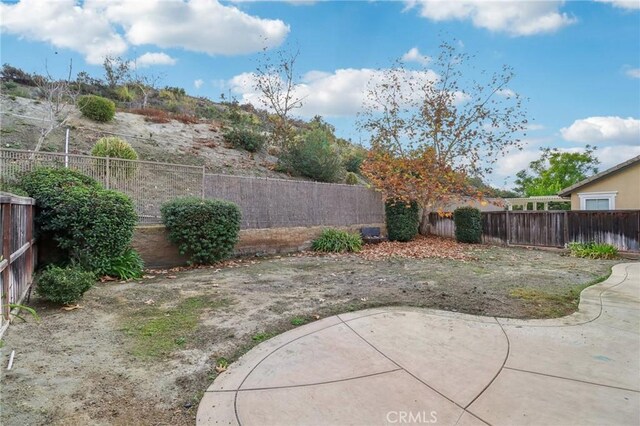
(265, 202)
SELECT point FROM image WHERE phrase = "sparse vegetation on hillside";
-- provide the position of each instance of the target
(166, 124)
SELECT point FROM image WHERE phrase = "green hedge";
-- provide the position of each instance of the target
(97, 108)
(91, 225)
(205, 230)
(468, 221)
(402, 220)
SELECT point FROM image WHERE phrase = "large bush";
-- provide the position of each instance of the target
(97, 108)
(468, 221)
(337, 241)
(245, 138)
(314, 156)
(63, 285)
(91, 225)
(204, 230)
(402, 220)
(115, 147)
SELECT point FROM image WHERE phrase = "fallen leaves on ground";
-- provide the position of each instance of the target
(421, 247)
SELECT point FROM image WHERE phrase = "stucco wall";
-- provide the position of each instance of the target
(157, 252)
(625, 181)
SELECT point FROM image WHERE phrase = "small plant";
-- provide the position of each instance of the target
(593, 250)
(20, 308)
(128, 265)
(402, 220)
(351, 179)
(297, 321)
(242, 137)
(97, 108)
(337, 241)
(261, 337)
(64, 285)
(468, 221)
(205, 230)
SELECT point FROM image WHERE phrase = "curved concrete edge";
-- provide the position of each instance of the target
(228, 384)
(589, 307)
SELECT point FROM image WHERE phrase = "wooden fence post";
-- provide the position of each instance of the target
(565, 234)
(508, 225)
(29, 234)
(6, 252)
(108, 174)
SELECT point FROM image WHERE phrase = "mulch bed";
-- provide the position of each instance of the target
(421, 247)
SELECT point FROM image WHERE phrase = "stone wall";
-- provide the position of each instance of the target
(157, 252)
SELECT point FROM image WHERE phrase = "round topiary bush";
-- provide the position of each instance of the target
(97, 108)
(63, 285)
(115, 147)
(402, 220)
(205, 230)
(468, 221)
(89, 224)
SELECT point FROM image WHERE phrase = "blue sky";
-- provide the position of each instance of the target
(578, 62)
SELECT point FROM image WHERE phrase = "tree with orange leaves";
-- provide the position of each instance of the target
(433, 128)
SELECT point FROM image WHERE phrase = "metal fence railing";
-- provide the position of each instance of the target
(265, 202)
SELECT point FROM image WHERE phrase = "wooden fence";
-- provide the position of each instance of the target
(18, 252)
(621, 228)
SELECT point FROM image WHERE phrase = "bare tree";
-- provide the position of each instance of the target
(59, 96)
(116, 70)
(441, 121)
(275, 79)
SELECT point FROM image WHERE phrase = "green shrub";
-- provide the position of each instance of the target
(205, 230)
(337, 241)
(351, 179)
(314, 156)
(353, 160)
(97, 108)
(91, 225)
(63, 285)
(468, 221)
(127, 266)
(115, 147)
(244, 138)
(593, 250)
(123, 94)
(402, 220)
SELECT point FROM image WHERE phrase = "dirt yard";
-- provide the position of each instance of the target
(143, 352)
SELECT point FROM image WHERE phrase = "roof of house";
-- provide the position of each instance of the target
(567, 191)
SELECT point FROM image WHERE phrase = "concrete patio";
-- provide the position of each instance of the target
(404, 365)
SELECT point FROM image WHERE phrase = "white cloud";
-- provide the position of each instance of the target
(603, 129)
(63, 24)
(341, 93)
(610, 156)
(633, 72)
(97, 28)
(623, 4)
(150, 59)
(414, 55)
(516, 18)
(198, 83)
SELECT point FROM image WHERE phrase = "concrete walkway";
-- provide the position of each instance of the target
(399, 366)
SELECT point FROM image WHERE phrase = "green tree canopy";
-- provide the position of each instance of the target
(556, 170)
